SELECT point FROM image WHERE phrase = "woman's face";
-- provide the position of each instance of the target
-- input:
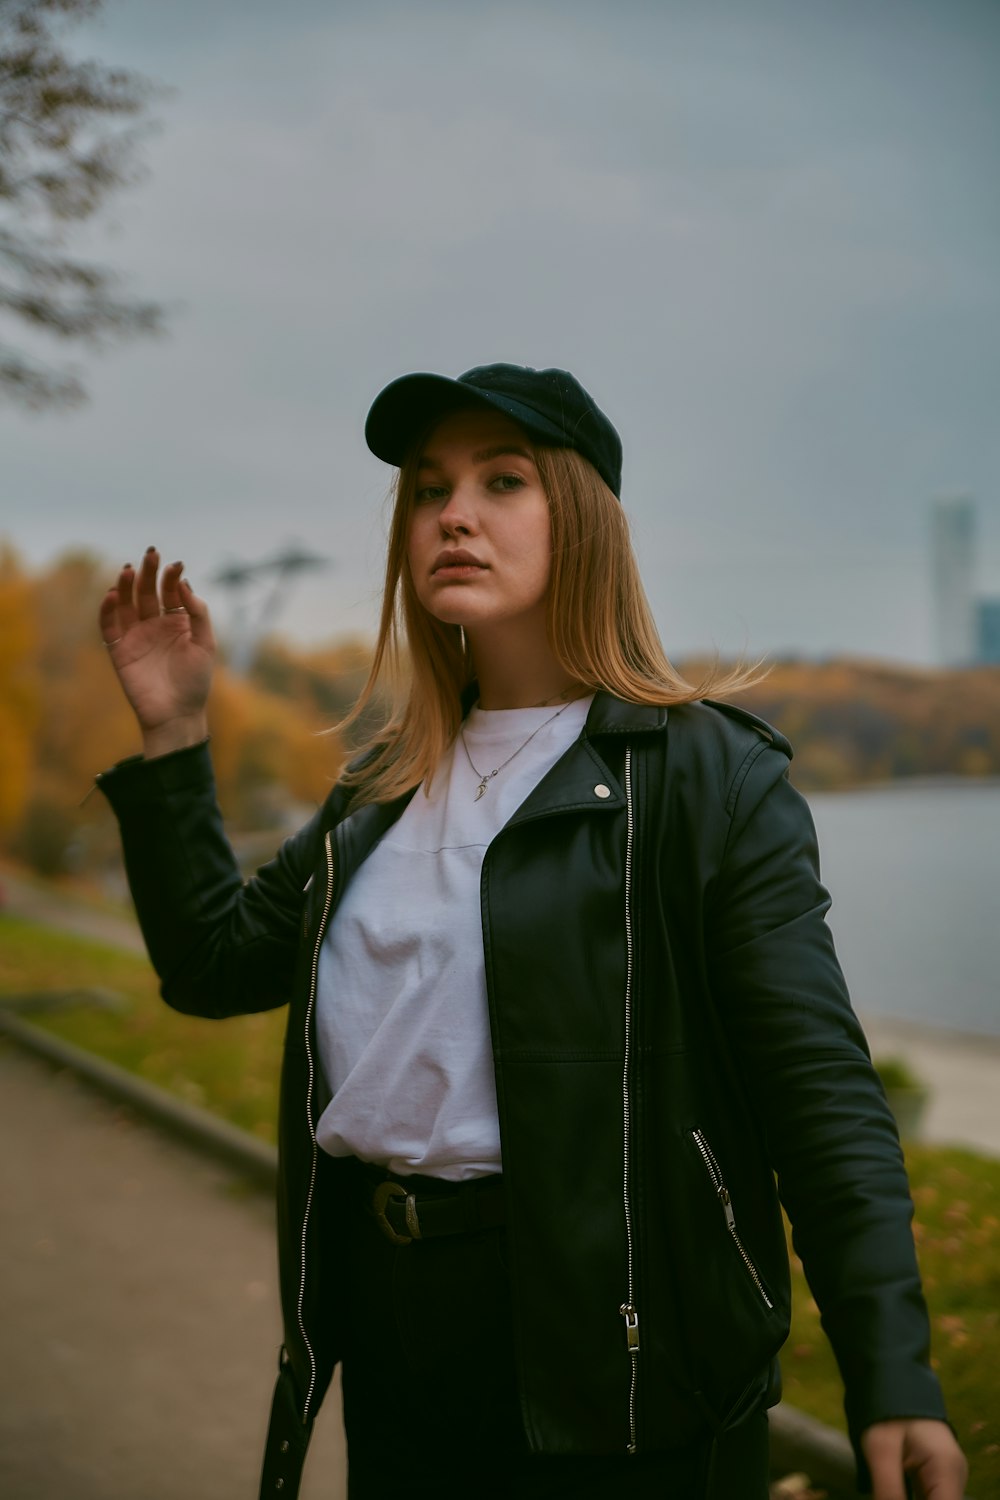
(480, 541)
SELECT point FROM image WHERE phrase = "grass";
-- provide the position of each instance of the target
(956, 1194)
(232, 1069)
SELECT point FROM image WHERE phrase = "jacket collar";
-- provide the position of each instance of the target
(582, 780)
(610, 715)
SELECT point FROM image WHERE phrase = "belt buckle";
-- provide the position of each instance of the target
(380, 1200)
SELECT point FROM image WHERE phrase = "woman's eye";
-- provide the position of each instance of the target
(430, 493)
(507, 483)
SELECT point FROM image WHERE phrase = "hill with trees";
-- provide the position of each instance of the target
(277, 751)
(853, 722)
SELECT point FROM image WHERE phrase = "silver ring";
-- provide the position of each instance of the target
(175, 609)
(108, 644)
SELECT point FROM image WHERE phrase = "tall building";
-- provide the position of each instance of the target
(988, 642)
(953, 538)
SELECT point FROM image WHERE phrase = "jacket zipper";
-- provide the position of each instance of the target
(722, 1193)
(312, 1129)
(628, 1308)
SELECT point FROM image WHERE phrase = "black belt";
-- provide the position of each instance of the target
(422, 1208)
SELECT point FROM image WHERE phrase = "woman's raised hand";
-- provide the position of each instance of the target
(160, 641)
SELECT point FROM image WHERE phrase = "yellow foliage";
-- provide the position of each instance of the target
(228, 722)
(63, 716)
(20, 689)
(860, 721)
(261, 741)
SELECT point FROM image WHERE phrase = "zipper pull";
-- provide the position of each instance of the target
(727, 1207)
(93, 788)
(631, 1327)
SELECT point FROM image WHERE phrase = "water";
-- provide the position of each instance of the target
(913, 870)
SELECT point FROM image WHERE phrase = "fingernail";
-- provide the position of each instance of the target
(127, 568)
(177, 565)
(149, 550)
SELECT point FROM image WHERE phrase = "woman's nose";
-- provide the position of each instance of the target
(457, 515)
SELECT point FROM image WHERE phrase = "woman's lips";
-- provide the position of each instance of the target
(457, 564)
(459, 570)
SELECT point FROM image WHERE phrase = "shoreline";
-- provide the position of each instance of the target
(946, 782)
(960, 1071)
(927, 1031)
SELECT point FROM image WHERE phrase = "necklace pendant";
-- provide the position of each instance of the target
(484, 781)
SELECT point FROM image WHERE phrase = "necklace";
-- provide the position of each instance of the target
(484, 781)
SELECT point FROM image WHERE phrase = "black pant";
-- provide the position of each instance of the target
(430, 1393)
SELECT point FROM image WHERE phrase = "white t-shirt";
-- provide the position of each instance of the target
(401, 1011)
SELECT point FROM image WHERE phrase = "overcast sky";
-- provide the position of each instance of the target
(766, 237)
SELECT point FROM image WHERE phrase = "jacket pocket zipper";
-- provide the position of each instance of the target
(722, 1193)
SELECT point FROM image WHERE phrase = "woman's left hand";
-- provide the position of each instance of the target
(917, 1449)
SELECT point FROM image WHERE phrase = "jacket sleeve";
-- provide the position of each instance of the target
(220, 946)
(830, 1134)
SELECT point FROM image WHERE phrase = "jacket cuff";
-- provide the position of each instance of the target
(136, 781)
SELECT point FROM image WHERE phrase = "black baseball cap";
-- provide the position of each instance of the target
(551, 405)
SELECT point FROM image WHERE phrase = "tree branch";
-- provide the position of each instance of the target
(63, 150)
(31, 385)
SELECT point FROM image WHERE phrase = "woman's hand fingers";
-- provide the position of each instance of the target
(920, 1449)
(125, 589)
(111, 630)
(147, 598)
(160, 641)
(178, 598)
(170, 592)
(136, 597)
(201, 625)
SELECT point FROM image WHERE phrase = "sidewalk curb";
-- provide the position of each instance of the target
(237, 1148)
(799, 1443)
(802, 1445)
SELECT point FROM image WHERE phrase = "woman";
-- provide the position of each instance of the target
(562, 999)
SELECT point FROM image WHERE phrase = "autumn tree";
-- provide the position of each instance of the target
(63, 717)
(67, 141)
(20, 689)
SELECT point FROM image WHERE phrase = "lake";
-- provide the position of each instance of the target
(913, 870)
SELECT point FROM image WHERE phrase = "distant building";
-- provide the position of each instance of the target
(988, 631)
(953, 538)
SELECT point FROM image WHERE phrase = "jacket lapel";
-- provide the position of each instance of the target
(582, 780)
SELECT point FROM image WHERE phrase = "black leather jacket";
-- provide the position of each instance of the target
(670, 1030)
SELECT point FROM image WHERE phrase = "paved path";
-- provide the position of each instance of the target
(138, 1308)
(48, 904)
(964, 1077)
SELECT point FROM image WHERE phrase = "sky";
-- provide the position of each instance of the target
(764, 236)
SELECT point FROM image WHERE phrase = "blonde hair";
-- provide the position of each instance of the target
(600, 627)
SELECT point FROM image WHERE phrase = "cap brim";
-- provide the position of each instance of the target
(411, 405)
